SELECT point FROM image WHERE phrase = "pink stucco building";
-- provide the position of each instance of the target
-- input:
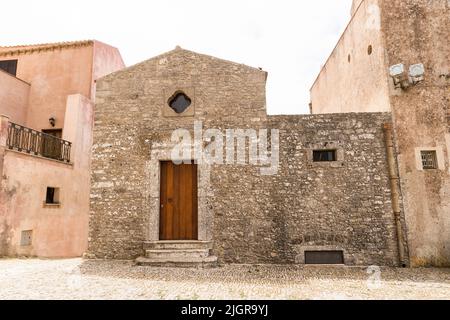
(47, 96)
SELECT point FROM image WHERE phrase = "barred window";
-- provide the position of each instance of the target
(429, 160)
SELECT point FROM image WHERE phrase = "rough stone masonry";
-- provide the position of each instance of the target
(250, 218)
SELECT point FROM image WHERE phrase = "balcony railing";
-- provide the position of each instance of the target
(30, 141)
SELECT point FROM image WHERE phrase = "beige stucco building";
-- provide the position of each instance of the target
(357, 78)
(46, 107)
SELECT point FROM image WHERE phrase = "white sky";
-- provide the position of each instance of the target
(289, 39)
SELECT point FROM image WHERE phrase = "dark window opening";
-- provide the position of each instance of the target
(429, 160)
(179, 102)
(324, 257)
(52, 196)
(324, 155)
(51, 144)
(9, 66)
(57, 133)
(349, 58)
(26, 238)
(369, 50)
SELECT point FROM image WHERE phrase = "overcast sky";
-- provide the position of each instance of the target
(289, 39)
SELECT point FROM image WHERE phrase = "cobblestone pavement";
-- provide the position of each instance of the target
(78, 279)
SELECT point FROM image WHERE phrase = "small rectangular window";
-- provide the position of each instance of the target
(9, 66)
(26, 238)
(324, 257)
(52, 196)
(324, 155)
(429, 160)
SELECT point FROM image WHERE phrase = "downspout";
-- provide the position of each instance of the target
(395, 194)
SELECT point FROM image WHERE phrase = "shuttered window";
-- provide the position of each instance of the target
(9, 66)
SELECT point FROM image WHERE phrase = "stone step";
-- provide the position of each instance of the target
(208, 262)
(177, 245)
(177, 253)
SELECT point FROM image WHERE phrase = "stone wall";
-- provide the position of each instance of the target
(310, 206)
(132, 120)
(344, 205)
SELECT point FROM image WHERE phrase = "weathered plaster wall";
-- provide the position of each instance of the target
(418, 31)
(54, 75)
(60, 72)
(61, 76)
(355, 5)
(346, 82)
(107, 59)
(251, 218)
(13, 97)
(57, 231)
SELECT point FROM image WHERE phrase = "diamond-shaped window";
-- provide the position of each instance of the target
(179, 102)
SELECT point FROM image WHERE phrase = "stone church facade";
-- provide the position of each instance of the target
(329, 199)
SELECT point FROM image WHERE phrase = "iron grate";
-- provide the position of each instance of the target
(429, 160)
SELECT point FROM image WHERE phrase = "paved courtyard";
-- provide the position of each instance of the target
(78, 279)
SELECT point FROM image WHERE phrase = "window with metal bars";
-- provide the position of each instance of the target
(429, 160)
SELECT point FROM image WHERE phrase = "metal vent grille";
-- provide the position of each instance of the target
(26, 238)
(429, 160)
(324, 257)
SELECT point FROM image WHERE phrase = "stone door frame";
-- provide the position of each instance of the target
(162, 152)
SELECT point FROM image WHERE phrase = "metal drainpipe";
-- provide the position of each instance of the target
(395, 194)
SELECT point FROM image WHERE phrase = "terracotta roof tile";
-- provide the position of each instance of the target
(21, 49)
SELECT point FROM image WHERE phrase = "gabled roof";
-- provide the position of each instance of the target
(178, 50)
(22, 49)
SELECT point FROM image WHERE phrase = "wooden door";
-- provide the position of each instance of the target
(178, 214)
